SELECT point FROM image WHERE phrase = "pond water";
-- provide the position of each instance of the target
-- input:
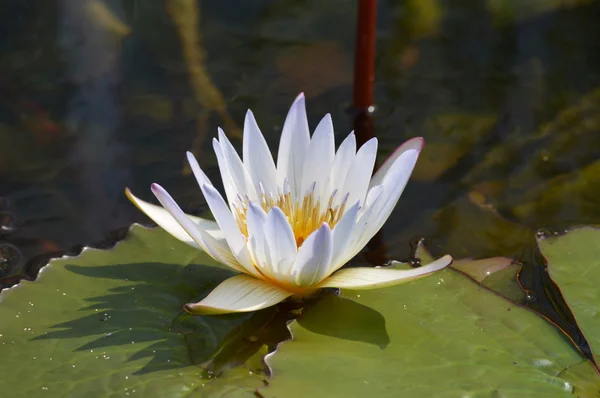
(99, 95)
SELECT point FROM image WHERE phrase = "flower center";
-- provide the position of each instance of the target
(304, 216)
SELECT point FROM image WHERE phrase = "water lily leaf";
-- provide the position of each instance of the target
(585, 376)
(499, 274)
(574, 264)
(109, 322)
(445, 328)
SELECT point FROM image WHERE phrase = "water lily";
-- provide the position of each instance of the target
(288, 228)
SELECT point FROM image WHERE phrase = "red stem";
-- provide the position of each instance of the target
(364, 97)
(364, 72)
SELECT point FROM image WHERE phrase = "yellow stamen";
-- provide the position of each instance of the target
(304, 216)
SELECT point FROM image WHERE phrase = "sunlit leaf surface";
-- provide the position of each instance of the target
(442, 336)
(574, 264)
(109, 323)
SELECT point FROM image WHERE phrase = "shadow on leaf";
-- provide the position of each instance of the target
(346, 319)
(147, 309)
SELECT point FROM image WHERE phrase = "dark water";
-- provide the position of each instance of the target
(98, 95)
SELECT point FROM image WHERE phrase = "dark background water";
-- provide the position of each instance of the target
(96, 95)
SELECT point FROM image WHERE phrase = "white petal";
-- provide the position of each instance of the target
(319, 158)
(294, 143)
(370, 278)
(237, 170)
(372, 196)
(257, 157)
(201, 177)
(241, 293)
(214, 245)
(235, 239)
(412, 144)
(339, 169)
(228, 184)
(281, 245)
(165, 220)
(354, 243)
(393, 182)
(314, 257)
(361, 170)
(255, 222)
(341, 237)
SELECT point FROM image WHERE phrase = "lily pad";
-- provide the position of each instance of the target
(574, 264)
(109, 323)
(499, 274)
(441, 336)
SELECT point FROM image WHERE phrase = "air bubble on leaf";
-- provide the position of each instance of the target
(568, 387)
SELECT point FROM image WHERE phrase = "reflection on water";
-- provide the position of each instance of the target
(101, 94)
(90, 40)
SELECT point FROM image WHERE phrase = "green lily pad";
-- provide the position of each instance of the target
(574, 264)
(109, 323)
(499, 274)
(441, 336)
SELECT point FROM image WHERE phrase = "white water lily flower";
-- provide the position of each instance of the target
(289, 228)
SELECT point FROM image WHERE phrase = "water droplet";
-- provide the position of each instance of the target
(530, 298)
(543, 363)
